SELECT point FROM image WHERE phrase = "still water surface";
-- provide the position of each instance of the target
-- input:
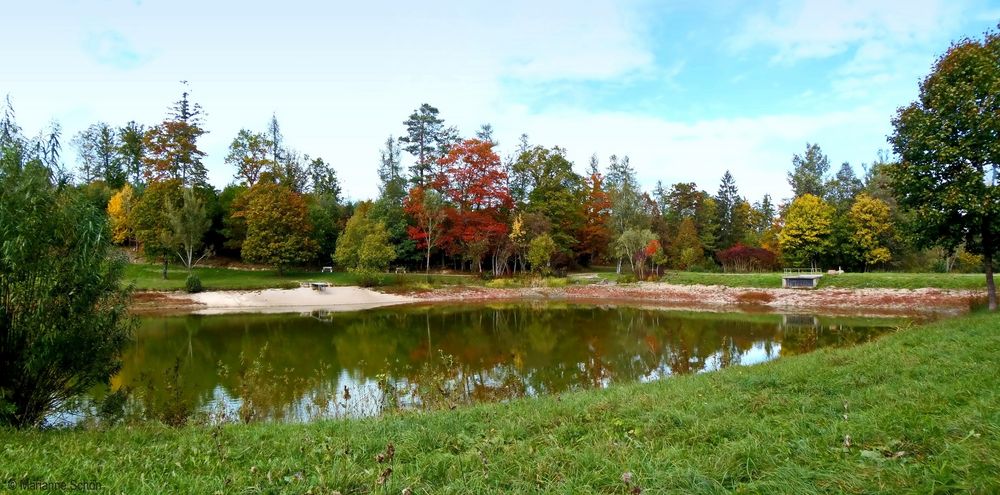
(298, 367)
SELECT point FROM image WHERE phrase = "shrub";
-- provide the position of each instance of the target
(744, 259)
(63, 309)
(193, 284)
(628, 278)
(367, 277)
(503, 283)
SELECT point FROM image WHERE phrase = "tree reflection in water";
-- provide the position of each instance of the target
(293, 367)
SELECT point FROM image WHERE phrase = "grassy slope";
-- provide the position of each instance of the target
(929, 393)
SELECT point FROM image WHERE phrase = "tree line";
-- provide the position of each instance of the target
(460, 205)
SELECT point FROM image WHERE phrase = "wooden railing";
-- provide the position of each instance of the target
(803, 271)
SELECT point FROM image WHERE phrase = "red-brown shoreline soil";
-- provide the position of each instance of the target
(658, 294)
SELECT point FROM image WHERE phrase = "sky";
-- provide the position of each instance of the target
(686, 89)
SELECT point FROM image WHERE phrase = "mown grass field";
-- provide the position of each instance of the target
(150, 277)
(917, 411)
(875, 280)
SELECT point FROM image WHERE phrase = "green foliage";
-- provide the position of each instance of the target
(808, 175)
(97, 148)
(548, 186)
(63, 311)
(540, 251)
(687, 248)
(363, 248)
(947, 140)
(325, 216)
(630, 245)
(192, 284)
(872, 230)
(150, 221)
(188, 225)
(249, 154)
(278, 228)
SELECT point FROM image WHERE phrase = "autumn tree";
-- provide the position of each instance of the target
(277, 226)
(250, 154)
(427, 208)
(871, 229)
(188, 224)
(119, 212)
(949, 175)
(805, 236)
(364, 247)
(595, 236)
(172, 147)
(540, 251)
(808, 175)
(150, 221)
(473, 180)
(630, 245)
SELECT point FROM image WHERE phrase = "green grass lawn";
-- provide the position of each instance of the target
(847, 280)
(149, 277)
(917, 411)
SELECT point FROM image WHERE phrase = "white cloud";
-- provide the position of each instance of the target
(757, 150)
(340, 76)
(807, 29)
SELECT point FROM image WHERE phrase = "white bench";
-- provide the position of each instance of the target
(327, 269)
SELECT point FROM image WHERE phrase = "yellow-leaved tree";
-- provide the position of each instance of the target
(805, 236)
(119, 208)
(872, 229)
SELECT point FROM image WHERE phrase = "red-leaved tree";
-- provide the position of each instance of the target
(473, 179)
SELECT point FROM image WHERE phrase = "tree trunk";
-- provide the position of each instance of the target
(165, 262)
(427, 270)
(991, 288)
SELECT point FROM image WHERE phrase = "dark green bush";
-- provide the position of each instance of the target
(193, 284)
(63, 309)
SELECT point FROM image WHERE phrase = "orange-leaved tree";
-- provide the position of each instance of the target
(427, 208)
(474, 180)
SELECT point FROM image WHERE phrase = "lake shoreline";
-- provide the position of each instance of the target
(705, 297)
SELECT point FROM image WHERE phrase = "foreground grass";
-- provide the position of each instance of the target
(150, 277)
(970, 281)
(916, 411)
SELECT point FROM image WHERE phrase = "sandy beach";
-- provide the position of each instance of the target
(831, 301)
(266, 301)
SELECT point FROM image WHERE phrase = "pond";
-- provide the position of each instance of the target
(300, 367)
